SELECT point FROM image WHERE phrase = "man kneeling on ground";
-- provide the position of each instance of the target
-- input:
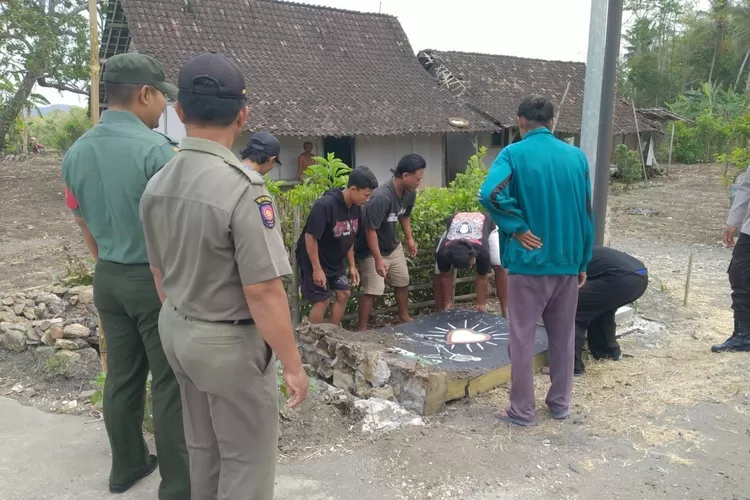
(471, 238)
(614, 279)
(327, 238)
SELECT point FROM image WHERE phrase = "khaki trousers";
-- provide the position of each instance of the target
(227, 377)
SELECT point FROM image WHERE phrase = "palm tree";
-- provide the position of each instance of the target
(719, 15)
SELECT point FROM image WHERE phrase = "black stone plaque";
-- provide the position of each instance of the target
(459, 339)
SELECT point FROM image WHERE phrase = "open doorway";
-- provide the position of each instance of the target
(342, 147)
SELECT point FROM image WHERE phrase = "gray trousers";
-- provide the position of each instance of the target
(553, 299)
(227, 377)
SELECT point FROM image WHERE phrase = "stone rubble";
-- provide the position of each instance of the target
(58, 324)
(382, 415)
(370, 372)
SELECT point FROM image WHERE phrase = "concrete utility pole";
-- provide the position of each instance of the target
(601, 85)
(592, 95)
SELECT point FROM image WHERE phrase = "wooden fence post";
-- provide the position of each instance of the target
(671, 145)
(687, 280)
(294, 304)
(453, 285)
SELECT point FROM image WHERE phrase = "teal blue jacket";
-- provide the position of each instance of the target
(541, 184)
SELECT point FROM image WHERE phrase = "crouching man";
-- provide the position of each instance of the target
(470, 239)
(327, 239)
(613, 279)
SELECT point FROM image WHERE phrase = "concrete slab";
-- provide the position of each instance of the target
(460, 339)
(46, 456)
(423, 364)
(625, 316)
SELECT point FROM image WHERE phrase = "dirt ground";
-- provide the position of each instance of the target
(671, 420)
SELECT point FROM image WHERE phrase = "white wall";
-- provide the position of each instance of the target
(170, 125)
(485, 139)
(382, 154)
(379, 153)
(291, 147)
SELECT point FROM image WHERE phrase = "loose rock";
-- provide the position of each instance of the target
(382, 415)
(29, 312)
(8, 317)
(76, 331)
(52, 335)
(85, 294)
(14, 340)
(68, 344)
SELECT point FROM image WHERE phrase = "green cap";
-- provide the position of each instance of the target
(137, 69)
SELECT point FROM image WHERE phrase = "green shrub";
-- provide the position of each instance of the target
(628, 163)
(739, 157)
(432, 209)
(687, 147)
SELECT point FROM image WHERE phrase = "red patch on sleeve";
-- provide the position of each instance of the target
(70, 200)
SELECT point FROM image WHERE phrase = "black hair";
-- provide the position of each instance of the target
(207, 109)
(254, 155)
(362, 178)
(459, 253)
(121, 94)
(409, 164)
(306, 143)
(537, 109)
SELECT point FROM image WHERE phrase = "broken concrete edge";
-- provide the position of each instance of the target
(625, 316)
(365, 368)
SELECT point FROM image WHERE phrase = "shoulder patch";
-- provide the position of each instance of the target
(267, 212)
(254, 177)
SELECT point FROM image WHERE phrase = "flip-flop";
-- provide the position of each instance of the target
(504, 417)
(560, 415)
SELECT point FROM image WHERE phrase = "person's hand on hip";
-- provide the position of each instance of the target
(528, 240)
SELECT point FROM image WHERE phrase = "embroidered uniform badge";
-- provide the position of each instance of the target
(267, 213)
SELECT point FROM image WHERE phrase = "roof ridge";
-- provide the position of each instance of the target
(484, 54)
(326, 7)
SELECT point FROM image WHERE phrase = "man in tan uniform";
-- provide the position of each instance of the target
(216, 250)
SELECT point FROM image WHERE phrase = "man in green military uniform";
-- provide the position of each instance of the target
(105, 174)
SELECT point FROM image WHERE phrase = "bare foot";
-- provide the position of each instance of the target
(407, 319)
(448, 306)
(481, 308)
(545, 370)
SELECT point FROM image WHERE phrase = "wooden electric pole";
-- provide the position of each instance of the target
(94, 104)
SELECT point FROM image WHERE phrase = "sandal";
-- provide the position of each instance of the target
(503, 416)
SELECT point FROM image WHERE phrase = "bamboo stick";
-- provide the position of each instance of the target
(640, 144)
(687, 280)
(94, 103)
(294, 302)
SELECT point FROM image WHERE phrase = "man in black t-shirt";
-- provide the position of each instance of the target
(327, 239)
(613, 280)
(381, 257)
(470, 238)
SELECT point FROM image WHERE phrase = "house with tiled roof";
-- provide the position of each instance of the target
(346, 81)
(494, 85)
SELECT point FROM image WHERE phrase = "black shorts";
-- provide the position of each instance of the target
(313, 293)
